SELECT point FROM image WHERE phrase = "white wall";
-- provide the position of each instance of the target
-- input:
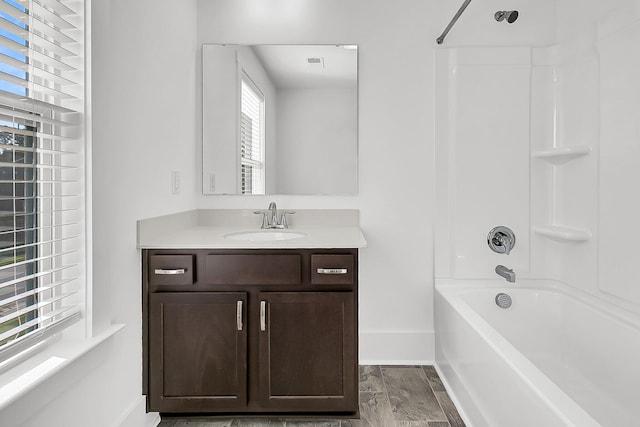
(316, 133)
(144, 127)
(395, 41)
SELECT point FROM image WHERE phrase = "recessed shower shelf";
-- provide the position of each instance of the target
(562, 232)
(562, 154)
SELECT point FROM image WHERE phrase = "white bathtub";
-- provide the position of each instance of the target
(556, 357)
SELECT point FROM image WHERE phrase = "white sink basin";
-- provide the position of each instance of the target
(264, 235)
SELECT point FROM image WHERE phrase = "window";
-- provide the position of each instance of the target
(18, 219)
(251, 138)
(41, 171)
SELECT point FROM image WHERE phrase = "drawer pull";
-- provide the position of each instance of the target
(162, 271)
(239, 315)
(263, 315)
(332, 271)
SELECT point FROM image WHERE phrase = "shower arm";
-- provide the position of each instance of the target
(453, 21)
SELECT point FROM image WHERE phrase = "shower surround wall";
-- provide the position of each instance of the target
(596, 99)
(482, 152)
(544, 140)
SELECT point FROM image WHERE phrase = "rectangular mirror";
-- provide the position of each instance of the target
(280, 119)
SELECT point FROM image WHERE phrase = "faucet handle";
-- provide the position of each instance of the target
(283, 218)
(501, 240)
(505, 242)
(265, 218)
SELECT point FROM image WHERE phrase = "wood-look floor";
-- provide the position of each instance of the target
(390, 396)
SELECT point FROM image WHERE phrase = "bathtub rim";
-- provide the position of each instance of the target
(559, 402)
(619, 312)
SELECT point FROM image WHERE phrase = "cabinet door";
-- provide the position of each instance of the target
(197, 349)
(307, 348)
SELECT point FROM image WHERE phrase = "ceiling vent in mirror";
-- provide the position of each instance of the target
(319, 61)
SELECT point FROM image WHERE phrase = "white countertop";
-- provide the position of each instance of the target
(206, 229)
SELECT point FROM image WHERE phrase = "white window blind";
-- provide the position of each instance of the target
(251, 139)
(41, 170)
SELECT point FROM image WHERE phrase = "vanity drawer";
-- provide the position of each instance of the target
(240, 269)
(171, 269)
(329, 269)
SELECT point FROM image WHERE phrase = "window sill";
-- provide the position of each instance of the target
(24, 377)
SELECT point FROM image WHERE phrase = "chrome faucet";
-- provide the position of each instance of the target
(273, 212)
(507, 273)
(270, 217)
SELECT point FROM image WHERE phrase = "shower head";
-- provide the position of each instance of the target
(506, 15)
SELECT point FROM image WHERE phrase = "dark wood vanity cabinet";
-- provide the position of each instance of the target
(307, 351)
(197, 354)
(250, 331)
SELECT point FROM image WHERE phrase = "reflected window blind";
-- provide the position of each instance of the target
(41, 170)
(251, 139)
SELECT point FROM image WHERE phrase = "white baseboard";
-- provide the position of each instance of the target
(137, 416)
(397, 347)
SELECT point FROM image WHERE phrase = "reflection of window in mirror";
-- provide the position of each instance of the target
(252, 170)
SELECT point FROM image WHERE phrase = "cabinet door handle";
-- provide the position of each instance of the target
(263, 315)
(163, 271)
(239, 315)
(332, 271)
